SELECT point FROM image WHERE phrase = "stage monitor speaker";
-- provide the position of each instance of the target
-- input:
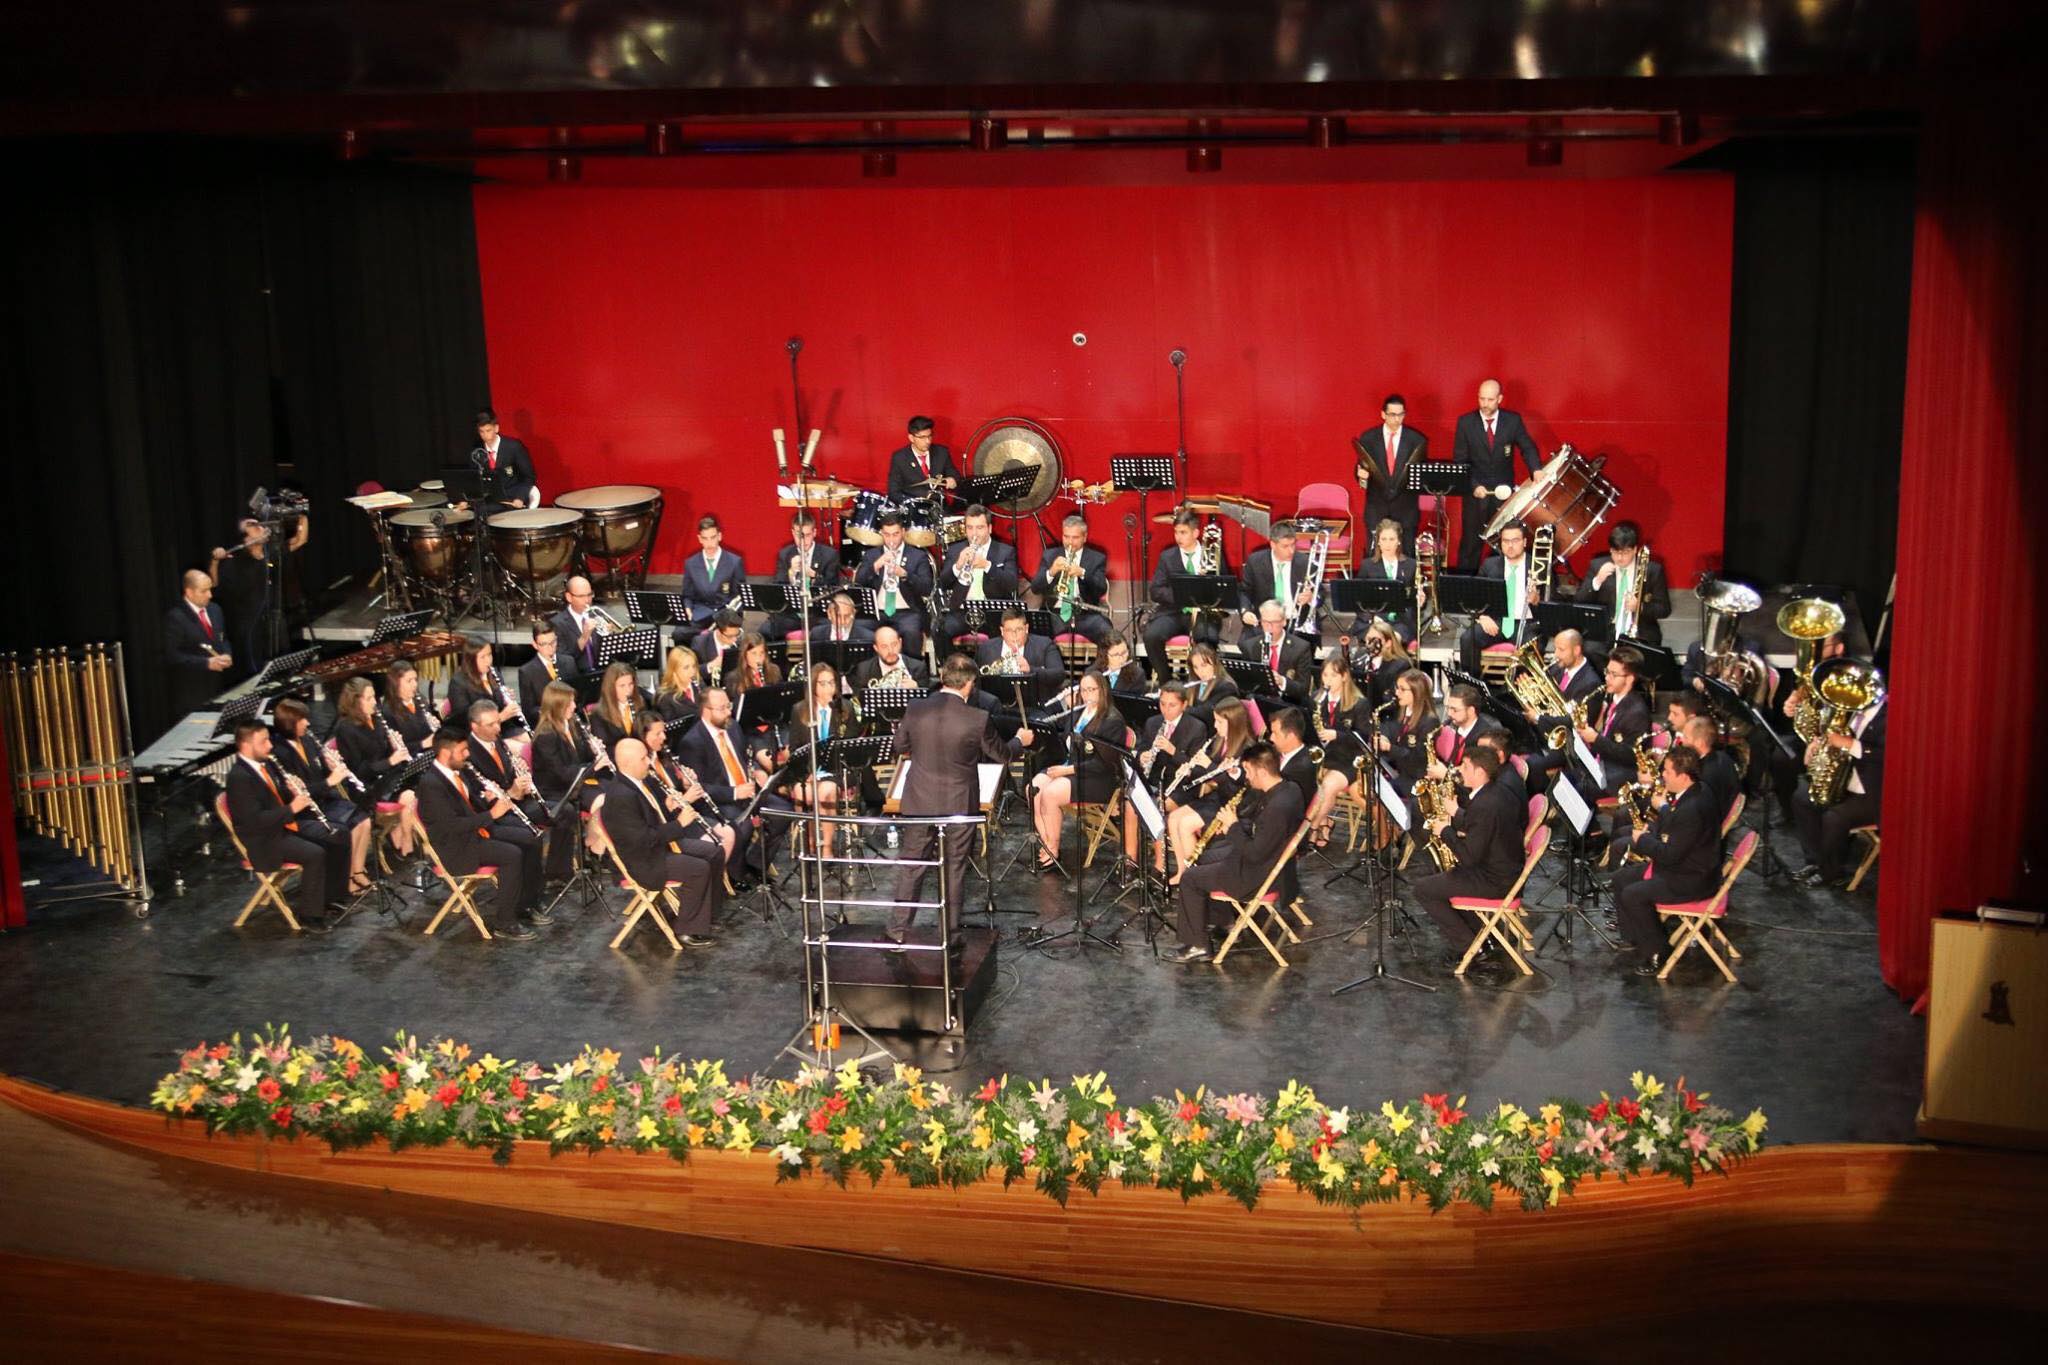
(1987, 1031)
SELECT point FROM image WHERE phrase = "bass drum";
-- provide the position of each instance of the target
(535, 545)
(1569, 493)
(438, 554)
(1018, 443)
(863, 524)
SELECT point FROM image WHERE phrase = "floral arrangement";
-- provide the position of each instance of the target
(844, 1123)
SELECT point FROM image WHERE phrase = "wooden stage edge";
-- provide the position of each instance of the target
(1832, 1223)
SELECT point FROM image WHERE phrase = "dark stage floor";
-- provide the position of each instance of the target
(100, 1001)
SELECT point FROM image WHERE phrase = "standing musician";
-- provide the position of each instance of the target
(196, 646)
(838, 717)
(460, 824)
(718, 648)
(1512, 566)
(1824, 831)
(1089, 773)
(917, 468)
(709, 837)
(505, 460)
(1487, 440)
(619, 699)
(1078, 573)
(1254, 838)
(681, 685)
(805, 567)
(890, 667)
(278, 825)
(1287, 656)
(711, 579)
(1618, 718)
(1635, 597)
(839, 625)
(1016, 652)
(299, 756)
(1681, 849)
(732, 775)
(1209, 779)
(944, 738)
(476, 680)
(900, 576)
(1390, 564)
(414, 720)
(1384, 453)
(981, 567)
(1486, 836)
(1208, 684)
(490, 758)
(1576, 679)
(1340, 714)
(1179, 560)
(578, 626)
(651, 843)
(1124, 673)
(1276, 574)
(241, 580)
(1390, 659)
(536, 673)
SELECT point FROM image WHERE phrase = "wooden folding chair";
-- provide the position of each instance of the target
(1498, 916)
(269, 885)
(1696, 918)
(460, 889)
(1264, 899)
(1734, 815)
(1869, 834)
(642, 902)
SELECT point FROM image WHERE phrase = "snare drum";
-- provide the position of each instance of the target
(617, 519)
(921, 521)
(438, 554)
(535, 545)
(863, 524)
(1569, 493)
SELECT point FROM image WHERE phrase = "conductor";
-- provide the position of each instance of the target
(943, 737)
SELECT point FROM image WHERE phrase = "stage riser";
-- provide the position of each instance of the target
(902, 993)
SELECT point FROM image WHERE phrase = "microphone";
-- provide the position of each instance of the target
(1130, 521)
(1177, 357)
(793, 345)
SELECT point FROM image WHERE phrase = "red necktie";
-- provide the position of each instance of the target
(1458, 750)
(492, 455)
(206, 623)
(1273, 657)
(924, 466)
(1489, 433)
(1607, 721)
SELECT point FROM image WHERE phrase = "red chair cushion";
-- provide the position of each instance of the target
(1182, 640)
(1071, 639)
(1481, 903)
(1713, 908)
(1501, 648)
(1270, 898)
(386, 807)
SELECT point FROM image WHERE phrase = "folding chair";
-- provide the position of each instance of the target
(1869, 834)
(1505, 913)
(1695, 918)
(269, 885)
(642, 902)
(1496, 662)
(1076, 651)
(1266, 899)
(1539, 811)
(1734, 815)
(1099, 820)
(459, 888)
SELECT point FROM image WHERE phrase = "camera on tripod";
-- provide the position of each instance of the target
(274, 508)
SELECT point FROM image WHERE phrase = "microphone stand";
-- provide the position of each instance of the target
(1178, 358)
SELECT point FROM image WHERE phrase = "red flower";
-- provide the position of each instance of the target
(600, 1085)
(1187, 1111)
(1690, 1100)
(352, 1068)
(820, 1120)
(390, 1079)
(1598, 1113)
(1435, 1101)
(674, 1104)
(268, 1090)
(282, 1116)
(1449, 1117)
(987, 1092)
(218, 1051)
(742, 1086)
(518, 1088)
(448, 1093)
(1115, 1122)
(1628, 1109)
(1546, 1150)
(836, 1104)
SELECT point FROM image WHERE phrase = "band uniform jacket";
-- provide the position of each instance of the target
(1189, 734)
(1408, 747)
(1260, 577)
(914, 587)
(1656, 601)
(945, 738)
(1386, 485)
(1496, 568)
(1039, 652)
(414, 723)
(1094, 581)
(1494, 464)
(1374, 570)
(705, 589)
(1585, 681)
(1260, 835)
(513, 469)
(1172, 564)
(1615, 744)
(1720, 780)
(643, 834)
(1683, 844)
(454, 821)
(262, 818)
(858, 633)
(999, 579)
(556, 761)
(1869, 769)
(824, 567)
(698, 751)
(534, 679)
(905, 477)
(869, 671)
(571, 661)
(463, 694)
(185, 650)
(1486, 834)
(1297, 657)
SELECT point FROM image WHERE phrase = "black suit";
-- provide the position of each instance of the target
(857, 633)
(1486, 835)
(1386, 489)
(1656, 601)
(568, 658)
(913, 593)
(868, 671)
(1041, 657)
(463, 839)
(1094, 584)
(275, 835)
(946, 739)
(1189, 735)
(698, 751)
(1719, 777)
(1824, 833)
(824, 562)
(1473, 641)
(513, 469)
(463, 694)
(186, 650)
(1585, 681)
(1683, 846)
(1259, 583)
(705, 589)
(494, 763)
(533, 680)
(999, 580)
(1614, 742)
(905, 477)
(1297, 659)
(1250, 849)
(1493, 464)
(1374, 570)
(1200, 627)
(657, 849)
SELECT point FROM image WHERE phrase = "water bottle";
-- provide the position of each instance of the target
(891, 837)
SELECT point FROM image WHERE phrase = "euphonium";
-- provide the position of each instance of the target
(1810, 621)
(1529, 679)
(1846, 688)
(1722, 607)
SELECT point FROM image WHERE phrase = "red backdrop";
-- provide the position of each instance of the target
(636, 334)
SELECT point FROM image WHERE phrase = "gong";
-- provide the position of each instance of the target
(1007, 443)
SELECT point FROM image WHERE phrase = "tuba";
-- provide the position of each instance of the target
(1846, 688)
(1722, 607)
(1809, 621)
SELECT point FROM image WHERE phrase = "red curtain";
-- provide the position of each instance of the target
(1964, 790)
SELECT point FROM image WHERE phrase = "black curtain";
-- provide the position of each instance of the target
(183, 323)
(1817, 374)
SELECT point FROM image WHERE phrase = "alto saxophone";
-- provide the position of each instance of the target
(1214, 827)
(1436, 799)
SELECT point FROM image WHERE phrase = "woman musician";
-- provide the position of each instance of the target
(680, 690)
(369, 748)
(1211, 684)
(1389, 564)
(1340, 715)
(404, 710)
(476, 680)
(620, 700)
(1389, 660)
(713, 841)
(324, 777)
(1406, 737)
(838, 717)
(1123, 673)
(562, 748)
(1189, 810)
(1090, 773)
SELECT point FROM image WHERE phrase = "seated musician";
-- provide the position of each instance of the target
(1576, 679)
(1286, 655)
(278, 825)
(1340, 715)
(979, 568)
(536, 673)
(1798, 708)
(579, 625)
(474, 681)
(196, 646)
(890, 667)
(1718, 773)
(1634, 597)
(1207, 781)
(718, 648)
(1170, 740)
(371, 750)
(706, 834)
(461, 824)
(1391, 659)
(1407, 739)
(1681, 853)
(492, 757)
(919, 467)
(650, 842)
(810, 787)
(1389, 564)
(1208, 684)
(731, 773)
(1016, 652)
(1078, 573)
(1512, 566)
(1618, 717)
(839, 625)
(1124, 673)
(681, 684)
(562, 756)
(1277, 573)
(412, 718)
(751, 670)
(1253, 836)
(1510, 779)
(804, 568)
(1485, 835)
(900, 576)
(1824, 830)
(1181, 559)
(1086, 773)
(712, 579)
(619, 699)
(326, 777)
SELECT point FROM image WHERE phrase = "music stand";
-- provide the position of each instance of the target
(1658, 666)
(985, 617)
(1003, 486)
(1202, 592)
(1143, 475)
(585, 879)
(1374, 597)
(1379, 882)
(843, 655)
(1580, 886)
(284, 665)
(890, 702)
(1252, 677)
(1552, 617)
(1473, 596)
(642, 644)
(398, 626)
(1729, 701)
(1440, 478)
(770, 598)
(235, 712)
(1079, 931)
(768, 705)
(644, 608)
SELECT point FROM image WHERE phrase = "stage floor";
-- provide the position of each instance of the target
(101, 1002)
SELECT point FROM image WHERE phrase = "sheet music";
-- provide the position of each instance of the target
(1148, 809)
(988, 775)
(1390, 797)
(1572, 804)
(1591, 761)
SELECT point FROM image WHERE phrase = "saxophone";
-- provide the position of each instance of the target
(1635, 797)
(1436, 798)
(1214, 827)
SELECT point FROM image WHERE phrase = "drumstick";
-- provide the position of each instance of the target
(781, 456)
(811, 447)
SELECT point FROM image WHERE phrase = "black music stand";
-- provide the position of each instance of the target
(1080, 931)
(769, 706)
(398, 626)
(1003, 486)
(235, 712)
(1440, 478)
(585, 879)
(285, 665)
(1552, 617)
(1200, 592)
(644, 608)
(770, 598)
(640, 645)
(1658, 666)
(1581, 887)
(1473, 596)
(985, 617)
(1761, 732)
(879, 702)
(1143, 475)
(843, 655)
(1375, 597)
(1379, 883)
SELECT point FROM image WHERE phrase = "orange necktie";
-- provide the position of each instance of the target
(733, 770)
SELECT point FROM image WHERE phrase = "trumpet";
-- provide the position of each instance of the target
(610, 621)
(497, 793)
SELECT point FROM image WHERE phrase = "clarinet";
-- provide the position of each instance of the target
(331, 752)
(298, 788)
(598, 757)
(399, 752)
(496, 792)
